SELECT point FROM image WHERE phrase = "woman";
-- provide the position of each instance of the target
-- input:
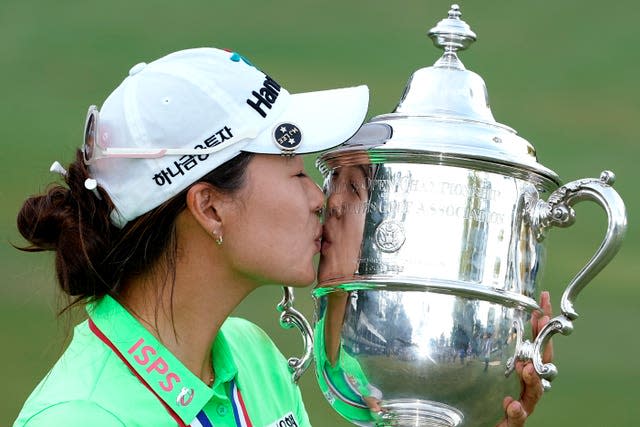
(186, 197)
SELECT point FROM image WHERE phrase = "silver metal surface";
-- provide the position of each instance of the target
(432, 252)
(289, 318)
(558, 211)
(423, 358)
(439, 226)
(444, 117)
(426, 317)
(427, 279)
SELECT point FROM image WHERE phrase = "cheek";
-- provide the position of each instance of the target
(273, 244)
(351, 235)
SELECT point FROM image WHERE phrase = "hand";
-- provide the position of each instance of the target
(373, 403)
(517, 411)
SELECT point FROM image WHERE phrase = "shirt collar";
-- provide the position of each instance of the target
(181, 390)
(224, 366)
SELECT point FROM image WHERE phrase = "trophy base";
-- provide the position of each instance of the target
(418, 413)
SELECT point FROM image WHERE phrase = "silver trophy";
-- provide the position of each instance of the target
(432, 251)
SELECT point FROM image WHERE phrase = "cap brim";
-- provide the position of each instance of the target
(325, 119)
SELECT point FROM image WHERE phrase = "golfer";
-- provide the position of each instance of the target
(187, 195)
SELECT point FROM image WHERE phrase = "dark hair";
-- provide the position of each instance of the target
(94, 257)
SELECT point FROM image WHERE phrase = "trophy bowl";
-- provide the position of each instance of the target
(433, 247)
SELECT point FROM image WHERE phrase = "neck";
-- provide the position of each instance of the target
(186, 314)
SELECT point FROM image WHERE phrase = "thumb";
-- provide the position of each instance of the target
(516, 415)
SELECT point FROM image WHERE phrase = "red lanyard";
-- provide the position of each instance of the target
(108, 342)
(239, 408)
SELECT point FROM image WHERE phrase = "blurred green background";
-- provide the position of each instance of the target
(564, 74)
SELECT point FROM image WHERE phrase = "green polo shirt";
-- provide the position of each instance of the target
(343, 384)
(115, 373)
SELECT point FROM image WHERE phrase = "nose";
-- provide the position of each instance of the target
(335, 206)
(316, 197)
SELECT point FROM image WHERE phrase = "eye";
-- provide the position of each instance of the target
(301, 174)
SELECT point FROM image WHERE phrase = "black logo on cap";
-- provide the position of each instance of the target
(266, 96)
(287, 137)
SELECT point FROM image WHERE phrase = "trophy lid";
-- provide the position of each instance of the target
(444, 117)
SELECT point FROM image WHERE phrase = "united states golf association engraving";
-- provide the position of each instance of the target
(389, 236)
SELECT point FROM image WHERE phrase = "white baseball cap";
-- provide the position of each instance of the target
(172, 121)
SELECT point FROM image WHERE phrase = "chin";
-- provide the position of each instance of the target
(326, 270)
(300, 284)
(303, 279)
(329, 270)
(322, 276)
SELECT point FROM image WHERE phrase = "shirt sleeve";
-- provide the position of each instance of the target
(74, 413)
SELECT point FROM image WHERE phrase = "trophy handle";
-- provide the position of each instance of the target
(558, 211)
(289, 318)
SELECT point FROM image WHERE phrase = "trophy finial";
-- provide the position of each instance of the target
(454, 12)
(452, 34)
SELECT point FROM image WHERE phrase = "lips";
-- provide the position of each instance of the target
(318, 240)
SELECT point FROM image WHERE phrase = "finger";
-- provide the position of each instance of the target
(535, 322)
(545, 303)
(532, 391)
(516, 414)
(373, 404)
(538, 318)
(505, 404)
(547, 355)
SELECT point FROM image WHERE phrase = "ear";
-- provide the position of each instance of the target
(205, 204)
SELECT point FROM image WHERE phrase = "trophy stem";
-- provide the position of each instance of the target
(418, 413)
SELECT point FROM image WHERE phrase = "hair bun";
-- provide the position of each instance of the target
(44, 218)
(74, 223)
